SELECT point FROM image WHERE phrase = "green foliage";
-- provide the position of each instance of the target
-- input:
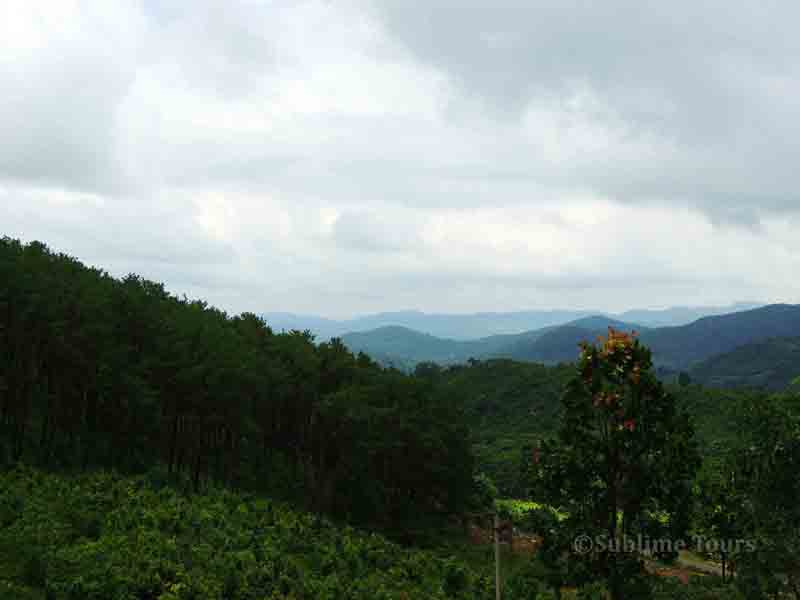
(484, 492)
(624, 449)
(528, 516)
(508, 406)
(687, 345)
(158, 543)
(699, 588)
(101, 372)
(770, 364)
(765, 468)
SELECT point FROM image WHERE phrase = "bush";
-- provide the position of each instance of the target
(96, 537)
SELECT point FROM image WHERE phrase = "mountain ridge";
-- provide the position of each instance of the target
(675, 348)
(478, 325)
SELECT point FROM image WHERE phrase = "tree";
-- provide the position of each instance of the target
(684, 379)
(718, 518)
(622, 464)
(767, 465)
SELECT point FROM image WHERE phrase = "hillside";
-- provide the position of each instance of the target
(684, 346)
(400, 346)
(602, 323)
(560, 344)
(771, 364)
(549, 345)
(674, 348)
(407, 345)
(681, 315)
(508, 404)
(104, 536)
(135, 377)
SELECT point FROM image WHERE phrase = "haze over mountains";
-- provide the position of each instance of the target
(722, 349)
(479, 325)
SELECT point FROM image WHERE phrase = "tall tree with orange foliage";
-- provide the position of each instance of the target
(622, 467)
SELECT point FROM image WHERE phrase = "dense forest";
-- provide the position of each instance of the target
(101, 372)
(153, 446)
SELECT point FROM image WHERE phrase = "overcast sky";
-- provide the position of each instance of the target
(341, 157)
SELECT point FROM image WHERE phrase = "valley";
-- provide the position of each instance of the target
(194, 454)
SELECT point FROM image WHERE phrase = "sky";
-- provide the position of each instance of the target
(344, 157)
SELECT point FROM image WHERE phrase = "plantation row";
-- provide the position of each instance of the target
(100, 536)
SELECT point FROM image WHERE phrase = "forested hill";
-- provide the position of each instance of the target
(675, 348)
(550, 345)
(511, 405)
(98, 371)
(408, 347)
(684, 346)
(772, 364)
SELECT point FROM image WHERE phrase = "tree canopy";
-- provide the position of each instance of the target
(119, 373)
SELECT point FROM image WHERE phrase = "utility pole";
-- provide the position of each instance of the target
(497, 556)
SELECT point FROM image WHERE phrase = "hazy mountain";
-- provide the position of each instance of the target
(452, 326)
(601, 322)
(404, 344)
(675, 348)
(548, 345)
(485, 324)
(401, 346)
(560, 344)
(771, 364)
(684, 346)
(682, 315)
(323, 328)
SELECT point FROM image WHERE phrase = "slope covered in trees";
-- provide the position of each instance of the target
(772, 364)
(510, 405)
(675, 348)
(96, 371)
(406, 347)
(549, 345)
(685, 346)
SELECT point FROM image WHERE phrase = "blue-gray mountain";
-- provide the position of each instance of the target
(773, 364)
(486, 324)
(675, 348)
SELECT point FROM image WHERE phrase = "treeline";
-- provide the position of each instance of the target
(98, 371)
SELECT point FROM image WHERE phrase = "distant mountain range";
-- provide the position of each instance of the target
(482, 325)
(687, 347)
(404, 346)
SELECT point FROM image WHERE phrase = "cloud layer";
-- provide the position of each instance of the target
(358, 156)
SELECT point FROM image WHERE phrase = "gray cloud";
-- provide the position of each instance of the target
(58, 116)
(382, 155)
(704, 85)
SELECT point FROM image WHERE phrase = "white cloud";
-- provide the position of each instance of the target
(369, 155)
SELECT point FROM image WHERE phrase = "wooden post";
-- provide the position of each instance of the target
(497, 556)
